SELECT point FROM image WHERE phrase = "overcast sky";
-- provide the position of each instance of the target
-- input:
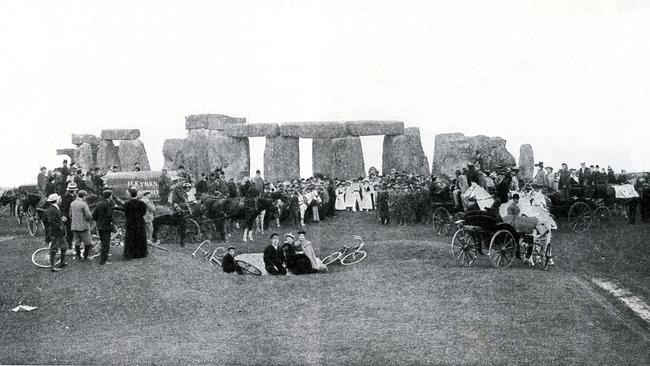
(572, 78)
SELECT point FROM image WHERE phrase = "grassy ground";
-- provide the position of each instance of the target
(407, 303)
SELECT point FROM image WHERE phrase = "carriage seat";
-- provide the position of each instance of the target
(522, 224)
(486, 220)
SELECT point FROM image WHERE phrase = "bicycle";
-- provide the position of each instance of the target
(348, 255)
(216, 258)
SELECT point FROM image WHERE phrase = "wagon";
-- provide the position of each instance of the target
(503, 240)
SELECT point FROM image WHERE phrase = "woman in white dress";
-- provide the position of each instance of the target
(340, 197)
(367, 191)
(351, 194)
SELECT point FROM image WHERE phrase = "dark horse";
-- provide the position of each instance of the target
(9, 198)
(177, 219)
(223, 210)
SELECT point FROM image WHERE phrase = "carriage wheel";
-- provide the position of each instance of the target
(353, 258)
(502, 248)
(442, 221)
(579, 217)
(463, 248)
(602, 216)
(547, 256)
(192, 231)
(248, 268)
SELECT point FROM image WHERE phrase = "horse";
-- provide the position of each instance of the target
(9, 198)
(178, 219)
(222, 210)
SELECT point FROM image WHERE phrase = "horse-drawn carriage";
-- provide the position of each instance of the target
(445, 211)
(504, 238)
(585, 207)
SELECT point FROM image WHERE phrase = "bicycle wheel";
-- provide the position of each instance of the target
(248, 268)
(332, 258)
(41, 258)
(32, 225)
(354, 257)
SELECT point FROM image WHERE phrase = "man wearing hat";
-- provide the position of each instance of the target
(539, 181)
(148, 217)
(54, 230)
(81, 219)
(68, 197)
(178, 194)
(513, 208)
(164, 187)
(274, 261)
(228, 263)
(103, 216)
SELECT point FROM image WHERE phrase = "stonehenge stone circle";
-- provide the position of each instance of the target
(369, 128)
(253, 130)
(131, 152)
(231, 154)
(281, 158)
(79, 139)
(454, 151)
(526, 163)
(348, 158)
(405, 153)
(173, 153)
(211, 121)
(120, 134)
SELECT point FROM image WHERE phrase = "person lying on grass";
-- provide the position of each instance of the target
(228, 263)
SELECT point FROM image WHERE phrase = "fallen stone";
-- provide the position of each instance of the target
(253, 130)
(369, 128)
(526, 163)
(348, 158)
(173, 153)
(454, 151)
(78, 139)
(405, 153)
(120, 134)
(83, 157)
(131, 152)
(282, 158)
(322, 157)
(231, 154)
(68, 152)
(313, 130)
(107, 155)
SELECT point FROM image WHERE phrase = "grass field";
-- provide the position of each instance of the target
(407, 303)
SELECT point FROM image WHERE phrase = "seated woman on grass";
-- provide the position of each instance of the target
(297, 262)
(316, 264)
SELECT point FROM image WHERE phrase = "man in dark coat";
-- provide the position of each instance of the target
(382, 202)
(135, 238)
(164, 187)
(228, 263)
(103, 216)
(274, 257)
(64, 206)
(98, 182)
(54, 231)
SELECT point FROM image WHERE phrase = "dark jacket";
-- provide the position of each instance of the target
(228, 264)
(273, 257)
(64, 206)
(53, 223)
(103, 215)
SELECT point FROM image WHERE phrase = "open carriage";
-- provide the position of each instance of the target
(503, 237)
(445, 212)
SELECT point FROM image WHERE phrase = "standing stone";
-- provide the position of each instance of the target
(526, 163)
(454, 151)
(322, 157)
(131, 152)
(405, 153)
(231, 154)
(348, 158)
(173, 153)
(281, 158)
(107, 155)
(83, 156)
(195, 154)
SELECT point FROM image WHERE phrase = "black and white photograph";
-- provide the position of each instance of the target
(325, 182)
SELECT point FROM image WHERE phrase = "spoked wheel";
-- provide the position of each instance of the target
(463, 248)
(547, 256)
(41, 258)
(332, 258)
(32, 225)
(192, 231)
(502, 248)
(602, 217)
(579, 217)
(249, 268)
(354, 257)
(217, 256)
(442, 221)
